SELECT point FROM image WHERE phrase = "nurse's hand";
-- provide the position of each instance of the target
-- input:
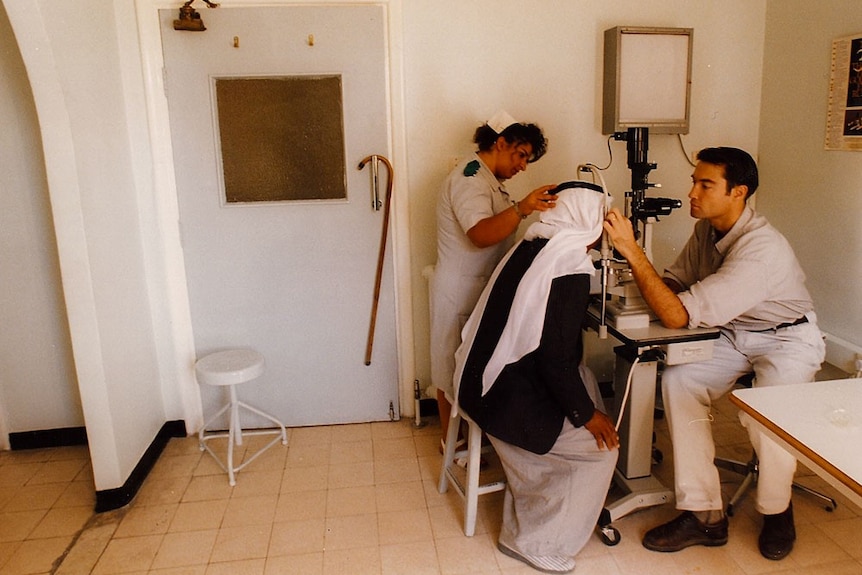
(539, 200)
(602, 428)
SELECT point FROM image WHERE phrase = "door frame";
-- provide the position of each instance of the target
(167, 200)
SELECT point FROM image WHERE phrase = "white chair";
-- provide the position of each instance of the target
(230, 368)
(466, 480)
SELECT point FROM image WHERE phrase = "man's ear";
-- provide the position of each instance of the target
(740, 191)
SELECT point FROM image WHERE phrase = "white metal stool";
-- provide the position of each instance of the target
(467, 481)
(230, 368)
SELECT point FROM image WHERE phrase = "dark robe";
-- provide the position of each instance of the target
(531, 398)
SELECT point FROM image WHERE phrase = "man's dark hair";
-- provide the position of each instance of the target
(740, 169)
(485, 137)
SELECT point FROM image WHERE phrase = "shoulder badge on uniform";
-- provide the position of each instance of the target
(472, 168)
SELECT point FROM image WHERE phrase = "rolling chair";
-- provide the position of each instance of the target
(749, 470)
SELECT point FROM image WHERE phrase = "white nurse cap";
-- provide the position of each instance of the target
(500, 121)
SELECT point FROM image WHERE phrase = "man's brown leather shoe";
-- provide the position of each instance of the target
(778, 534)
(684, 531)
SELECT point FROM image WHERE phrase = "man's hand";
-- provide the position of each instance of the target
(621, 233)
(602, 428)
(661, 298)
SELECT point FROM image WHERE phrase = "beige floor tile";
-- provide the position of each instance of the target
(302, 436)
(250, 511)
(240, 543)
(246, 567)
(17, 525)
(351, 452)
(313, 455)
(404, 526)
(304, 478)
(146, 520)
(395, 448)
(297, 537)
(78, 494)
(257, 480)
(467, 554)
(351, 501)
(185, 548)
(351, 432)
(351, 532)
(162, 490)
(305, 564)
(87, 550)
(418, 558)
(400, 496)
(35, 496)
(356, 561)
(299, 505)
(198, 515)
(59, 471)
(396, 470)
(391, 429)
(351, 475)
(128, 555)
(62, 521)
(35, 556)
(17, 474)
(180, 465)
(7, 549)
(208, 487)
(188, 570)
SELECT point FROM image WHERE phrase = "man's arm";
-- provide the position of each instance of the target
(659, 295)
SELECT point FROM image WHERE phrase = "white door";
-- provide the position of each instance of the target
(293, 279)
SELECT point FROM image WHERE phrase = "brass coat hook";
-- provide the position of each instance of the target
(190, 19)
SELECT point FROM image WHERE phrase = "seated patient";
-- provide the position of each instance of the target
(518, 374)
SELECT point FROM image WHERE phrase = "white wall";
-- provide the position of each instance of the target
(542, 61)
(38, 389)
(93, 129)
(812, 195)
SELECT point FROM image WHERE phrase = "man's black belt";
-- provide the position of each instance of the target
(799, 321)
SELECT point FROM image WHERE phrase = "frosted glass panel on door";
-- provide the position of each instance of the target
(281, 138)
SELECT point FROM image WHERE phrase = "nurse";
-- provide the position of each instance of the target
(476, 225)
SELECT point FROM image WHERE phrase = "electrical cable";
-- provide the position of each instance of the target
(684, 151)
(626, 392)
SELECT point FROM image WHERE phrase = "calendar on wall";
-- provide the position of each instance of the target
(844, 114)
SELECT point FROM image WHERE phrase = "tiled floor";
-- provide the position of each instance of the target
(349, 500)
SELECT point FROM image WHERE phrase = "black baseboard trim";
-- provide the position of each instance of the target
(110, 499)
(62, 437)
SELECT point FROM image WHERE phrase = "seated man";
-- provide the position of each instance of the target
(518, 374)
(739, 274)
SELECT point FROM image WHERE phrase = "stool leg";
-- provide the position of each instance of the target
(471, 497)
(449, 453)
(235, 434)
(280, 425)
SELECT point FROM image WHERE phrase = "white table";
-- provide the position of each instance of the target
(820, 423)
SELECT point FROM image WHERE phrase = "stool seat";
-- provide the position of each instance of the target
(231, 368)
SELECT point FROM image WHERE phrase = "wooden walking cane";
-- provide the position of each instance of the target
(374, 159)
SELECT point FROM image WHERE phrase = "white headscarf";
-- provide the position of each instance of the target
(573, 224)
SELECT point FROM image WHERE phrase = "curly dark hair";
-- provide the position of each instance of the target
(740, 169)
(485, 137)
